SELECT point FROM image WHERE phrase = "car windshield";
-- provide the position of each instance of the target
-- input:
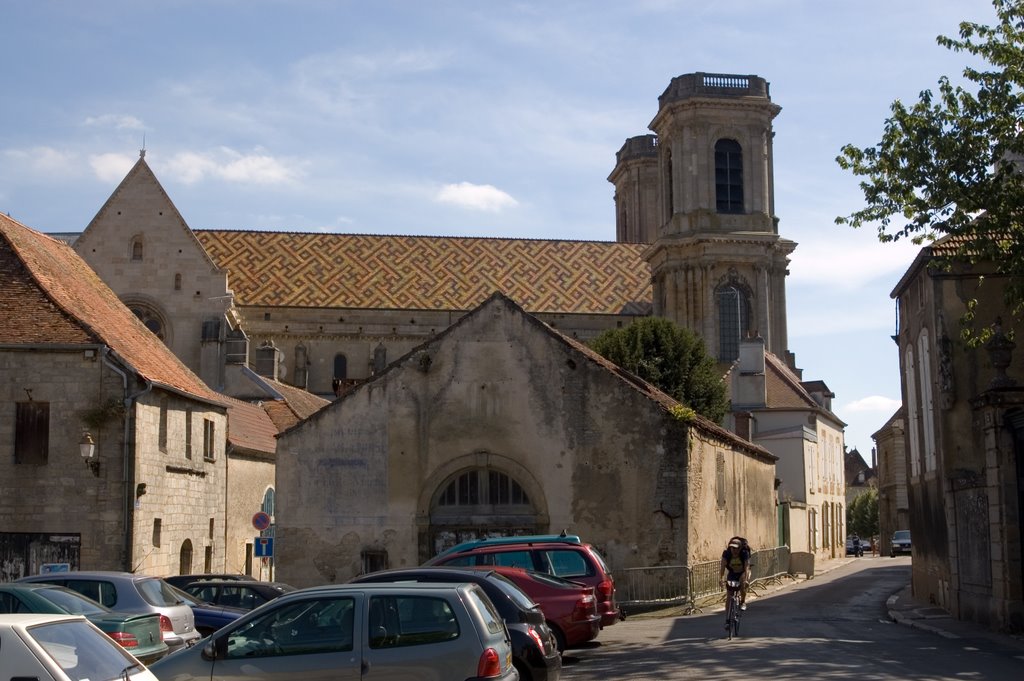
(71, 601)
(185, 597)
(515, 594)
(158, 592)
(82, 651)
(901, 534)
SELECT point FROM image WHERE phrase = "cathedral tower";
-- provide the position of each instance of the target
(718, 265)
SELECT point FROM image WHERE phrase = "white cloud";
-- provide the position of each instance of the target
(231, 166)
(42, 160)
(873, 403)
(483, 197)
(848, 263)
(118, 122)
(111, 167)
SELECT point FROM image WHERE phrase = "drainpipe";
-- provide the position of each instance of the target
(128, 468)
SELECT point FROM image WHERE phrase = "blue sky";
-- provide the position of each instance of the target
(470, 118)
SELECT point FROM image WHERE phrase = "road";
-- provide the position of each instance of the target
(835, 626)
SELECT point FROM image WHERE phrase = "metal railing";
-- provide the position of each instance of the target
(692, 586)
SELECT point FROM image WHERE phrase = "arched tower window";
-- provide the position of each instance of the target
(137, 249)
(733, 320)
(728, 176)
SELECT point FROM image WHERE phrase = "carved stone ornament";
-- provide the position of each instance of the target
(1000, 352)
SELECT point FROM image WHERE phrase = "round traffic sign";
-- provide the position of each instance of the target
(261, 521)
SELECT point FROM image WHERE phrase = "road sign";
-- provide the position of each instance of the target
(263, 547)
(261, 521)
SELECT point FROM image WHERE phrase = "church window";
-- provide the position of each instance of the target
(728, 176)
(31, 432)
(340, 367)
(137, 249)
(150, 318)
(483, 487)
(733, 319)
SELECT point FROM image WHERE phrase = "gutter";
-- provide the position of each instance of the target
(128, 468)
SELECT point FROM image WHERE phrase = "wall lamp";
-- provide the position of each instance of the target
(87, 447)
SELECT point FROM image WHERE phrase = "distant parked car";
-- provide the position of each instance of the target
(900, 543)
(127, 592)
(209, 616)
(535, 651)
(63, 648)
(139, 633)
(181, 581)
(353, 631)
(565, 556)
(238, 593)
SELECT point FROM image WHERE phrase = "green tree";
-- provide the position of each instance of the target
(954, 155)
(862, 514)
(670, 357)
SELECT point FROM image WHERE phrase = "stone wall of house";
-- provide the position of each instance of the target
(62, 496)
(251, 477)
(182, 510)
(595, 455)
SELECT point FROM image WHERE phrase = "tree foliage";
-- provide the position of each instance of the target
(670, 357)
(954, 155)
(862, 514)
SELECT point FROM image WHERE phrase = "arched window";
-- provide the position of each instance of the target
(269, 499)
(137, 249)
(151, 318)
(483, 487)
(733, 320)
(185, 558)
(340, 367)
(728, 176)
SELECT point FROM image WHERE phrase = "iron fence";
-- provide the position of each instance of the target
(691, 586)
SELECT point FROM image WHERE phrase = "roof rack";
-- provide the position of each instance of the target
(519, 539)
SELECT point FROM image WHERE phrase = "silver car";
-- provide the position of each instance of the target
(347, 632)
(127, 592)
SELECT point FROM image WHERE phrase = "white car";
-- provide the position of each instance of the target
(63, 648)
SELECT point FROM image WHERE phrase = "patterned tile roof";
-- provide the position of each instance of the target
(48, 294)
(430, 273)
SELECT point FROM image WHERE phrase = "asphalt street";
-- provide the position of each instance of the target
(846, 623)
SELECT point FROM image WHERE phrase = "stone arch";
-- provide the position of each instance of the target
(439, 527)
(151, 314)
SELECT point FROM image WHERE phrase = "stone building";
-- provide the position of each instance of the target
(698, 243)
(80, 376)
(893, 507)
(500, 424)
(964, 429)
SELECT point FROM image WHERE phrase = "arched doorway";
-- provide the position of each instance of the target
(480, 502)
(185, 558)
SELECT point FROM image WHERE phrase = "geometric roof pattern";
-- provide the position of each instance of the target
(49, 295)
(364, 271)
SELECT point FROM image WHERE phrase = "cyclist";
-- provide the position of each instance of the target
(736, 563)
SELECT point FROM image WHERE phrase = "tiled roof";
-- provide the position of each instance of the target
(295, 405)
(50, 295)
(250, 428)
(429, 273)
(783, 386)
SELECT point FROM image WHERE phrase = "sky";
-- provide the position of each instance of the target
(471, 118)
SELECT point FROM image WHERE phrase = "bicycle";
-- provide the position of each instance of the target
(733, 612)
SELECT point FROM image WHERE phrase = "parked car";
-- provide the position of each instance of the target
(127, 592)
(238, 593)
(570, 608)
(181, 581)
(63, 648)
(535, 651)
(899, 543)
(208, 616)
(139, 633)
(564, 556)
(343, 631)
(854, 546)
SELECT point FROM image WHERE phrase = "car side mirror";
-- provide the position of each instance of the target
(210, 650)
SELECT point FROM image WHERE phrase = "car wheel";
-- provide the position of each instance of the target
(559, 637)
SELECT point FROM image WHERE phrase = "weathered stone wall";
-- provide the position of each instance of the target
(250, 478)
(596, 456)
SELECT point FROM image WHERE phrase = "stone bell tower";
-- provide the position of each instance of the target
(718, 265)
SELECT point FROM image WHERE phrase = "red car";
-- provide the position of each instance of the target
(563, 556)
(570, 608)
